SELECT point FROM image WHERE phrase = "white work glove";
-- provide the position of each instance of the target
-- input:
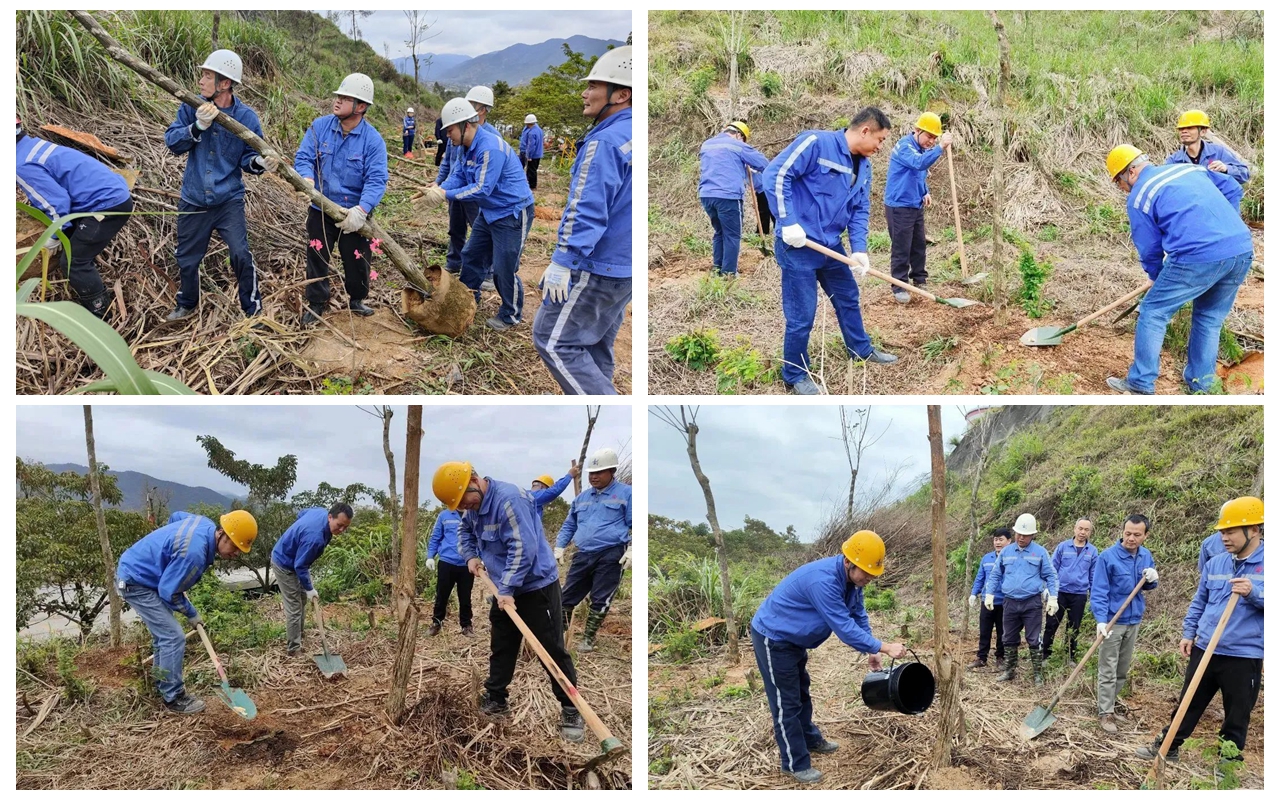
(560, 555)
(1052, 608)
(625, 561)
(945, 139)
(555, 283)
(1102, 630)
(312, 594)
(205, 115)
(989, 602)
(973, 601)
(431, 564)
(355, 220)
(860, 264)
(433, 196)
(793, 236)
(1150, 575)
(267, 162)
(1044, 596)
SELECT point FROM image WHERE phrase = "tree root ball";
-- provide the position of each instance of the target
(449, 311)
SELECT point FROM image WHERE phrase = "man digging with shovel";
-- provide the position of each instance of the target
(1117, 570)
(1018, 572)
(292, 557)
(818, 599)
(157, 569)
(1235, 668)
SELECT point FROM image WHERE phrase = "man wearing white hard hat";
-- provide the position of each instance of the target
(212, 187)
(531, 149)
(599, 524)
(409, 130)
(345, 158)
(587, 286)
(462, 213)
(1019, 571)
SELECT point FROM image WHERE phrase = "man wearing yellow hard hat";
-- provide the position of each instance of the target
(544, 488)
(1195, 149)
(1194, 247)
(818, 599)
(723, 163)
(153, 575)
(1235, 668)
(501, 532)
(906, 196)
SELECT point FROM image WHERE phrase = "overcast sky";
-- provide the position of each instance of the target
(338, 444)
(784, 465)
(475, 33)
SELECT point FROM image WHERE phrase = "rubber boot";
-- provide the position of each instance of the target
(1037, 666)
(1010, 668)
(594, 619)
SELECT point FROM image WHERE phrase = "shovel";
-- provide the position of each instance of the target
(759, 223)
(1041, 717)
(236, 699)
(954, 302)
(1155, 778)
(1051, 335)
(610, 746)
(955, 206)
(329, 665)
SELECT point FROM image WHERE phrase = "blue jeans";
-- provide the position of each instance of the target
(1211, 289)
(726, 221)
(495, 248)
(167, 640)
(800, 303)
(194, 232)
(575, 338)
(462, 215)
(597, 573)
(783, 669)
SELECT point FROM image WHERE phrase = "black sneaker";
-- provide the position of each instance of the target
(185, 704)
(467, 630)
(311, 316)
(360, 308)
(494, 708)
(1150, 752)
(824, 747)
(571, 724)
(434, 630)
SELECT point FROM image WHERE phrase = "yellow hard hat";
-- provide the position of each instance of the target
(240, 527)
(1120, 157)
(930, 122)
(1240, 513)
(545, 480)
(866, 550)
(740, 127)
(1195, 118)
(450, 483)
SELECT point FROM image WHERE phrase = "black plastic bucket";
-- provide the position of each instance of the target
(907, 688)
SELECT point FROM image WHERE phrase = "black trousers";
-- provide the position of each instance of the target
(906, 232)
(531, 171)
(448, 576)
(439, 151)
(88, 238)
(540, 610)
(1239, 680)
(1071, 606)
(766, 216)
(1028, 614)
(986, 621)
(354, 249)
(598, 574)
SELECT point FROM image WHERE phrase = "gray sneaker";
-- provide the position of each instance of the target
(1150, 752)
(179, 313)
(880, 357)
(185, 704)
(809, 775)
(1122, 386)
(1108, 723)
(824, 747)
(498, 325)
(902, 296)
(805, 386)
(488, 285)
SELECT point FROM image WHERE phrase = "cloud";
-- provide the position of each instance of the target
(784, 465)
(474, 33)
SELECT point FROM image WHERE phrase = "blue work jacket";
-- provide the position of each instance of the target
(171, 559)
(1243, 635)
(598, 519)
(1179, 212)
(1210, 152)
(491, 177)
(303, 543)
(595, 229)
(453, 156)
(353, 167)
(905, 185)
(542, 497)
(506, 534)
(410, 127)
(723, 164)
(1210, 547)
(1115, 574)
(1074, 566)
(980, 580)
(444, 539)
(59, 180)
(531, 141)
(812, 603)
(1021, 572)
(215, 157)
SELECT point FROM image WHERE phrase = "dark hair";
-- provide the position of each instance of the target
(340, 509)
(1001, 533)
(1136, 518)
(873, 116)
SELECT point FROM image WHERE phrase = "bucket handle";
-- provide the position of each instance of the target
(891, 660)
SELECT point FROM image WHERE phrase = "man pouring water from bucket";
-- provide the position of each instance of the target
(818, 599)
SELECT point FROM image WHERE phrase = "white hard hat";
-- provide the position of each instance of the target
(613, 67)
(455, 111)
(530, 120)
(1025, 526)
(225, 63)
(409, 110)
(357, 85)
(602, 459)
(482, 95)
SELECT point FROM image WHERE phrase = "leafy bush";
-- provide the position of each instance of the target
(740, 367)
(1031, 294)
(682, 645)
(1084, 489)
(878, 599)
(770, 84)
(696, 350)
(1007, 497)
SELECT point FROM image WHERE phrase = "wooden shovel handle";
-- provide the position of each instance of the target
(320, 624)
(593, 722)
(1128, 297)
(759, 222)
(208, 645)
(1096, 641)
(1192, 686)
(829, 253)
(955, 206)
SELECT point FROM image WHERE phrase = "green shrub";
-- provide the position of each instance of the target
(1031, 293)
(876, 598)
(740, 367)
(682, 645)
(879, 242)
(697, 350)
(1084, 489)
(734, 692)
(770, 84)
(1007, 497)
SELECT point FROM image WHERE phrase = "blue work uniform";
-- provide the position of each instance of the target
(904, 190)
(988, 620)
(599, 523)
(408, 131)
(1115, 574)
(980, 580)
(1074, 566)
(444, 539)
(1193, 244)
(531, 141)
(213, 199)
(816, 183)
(302, 544)
(1209, 153)
(801, 612)
(152, 576)
(575, 338)
(543, 497)
(462, 214)
(723, 163)
(1210, 547)
(1020, 572)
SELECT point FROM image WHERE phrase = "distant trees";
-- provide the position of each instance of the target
(555, 97)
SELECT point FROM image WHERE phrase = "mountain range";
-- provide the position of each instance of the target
(516, 64)
(133, 486)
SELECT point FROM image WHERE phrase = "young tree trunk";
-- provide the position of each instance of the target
(951, 720)
(392, 499)
(586, 441)
(213, 33)
(402, 667)
(985, 439)
(406, 582)
(722, 558)
(108, 559)
(999, 272)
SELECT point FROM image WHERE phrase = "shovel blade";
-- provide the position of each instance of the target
(958, 302)
(237, 701)
(331, 665)
(1036, 722)
(1044, 336)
